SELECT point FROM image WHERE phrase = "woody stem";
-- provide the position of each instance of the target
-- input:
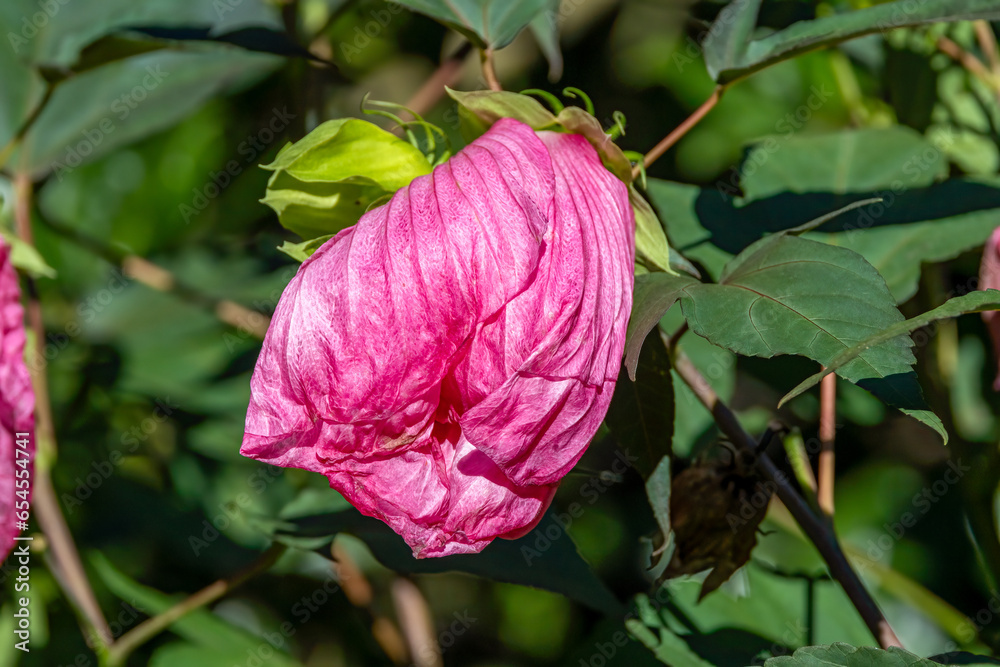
(819, 531)
(69, 571)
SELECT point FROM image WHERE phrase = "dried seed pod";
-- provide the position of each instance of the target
(716, 506)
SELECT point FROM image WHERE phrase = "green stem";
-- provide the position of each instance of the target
(119, 651)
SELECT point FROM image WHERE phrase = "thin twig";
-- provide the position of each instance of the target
(162, 280)
(678, 132)
(358, 590)
(970, 62)
(988, 43)
(140, 634)
(418, 626)
(819, 531)
(488, 71)
(827, 434)
(445, 75)
(70, 573)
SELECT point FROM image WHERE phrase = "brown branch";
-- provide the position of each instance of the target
(156, 277)
(988, 43)
(970, 62)
(358, 590)
(819, 531)
(415, 618)
(445, 75)
(488, 71)
(119, 651)
(678, 132)
(827, 435)
(69, 569)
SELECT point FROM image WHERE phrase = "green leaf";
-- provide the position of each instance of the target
(845, 655)
(252, 38)
(304, 250)
(652, 297)
(861, 161)
(651, 245)
(489, 106)
(727, 41)
(730, 55)
(789, 295)
(545, 28)
(641, 415)
(974, 302)
(103, 51)
(328, 179)
(488, 23)
(545, 558)
(910, 227)
(25, 257)
(100, 110)
(658, 493)
(191, 655)
(660, 639)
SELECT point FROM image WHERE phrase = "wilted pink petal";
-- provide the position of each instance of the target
(447, 360)
(17, 400)
(989, 278)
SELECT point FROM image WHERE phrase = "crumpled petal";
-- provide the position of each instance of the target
(17, 398)
(989, 278)
(564, 336)
(447, 360)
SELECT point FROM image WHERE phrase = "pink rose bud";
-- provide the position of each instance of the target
(447, 360)
(989, 278)
(17, 408)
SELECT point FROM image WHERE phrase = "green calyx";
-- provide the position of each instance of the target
(327, 180)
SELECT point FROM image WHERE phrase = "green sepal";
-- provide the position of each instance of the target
(327, 180)
(304, 250)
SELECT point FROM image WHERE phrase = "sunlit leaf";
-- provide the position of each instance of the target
(789, 295)
(730, 54)
(328, 179)
(975, 302)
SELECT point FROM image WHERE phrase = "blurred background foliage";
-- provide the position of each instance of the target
(150, 387)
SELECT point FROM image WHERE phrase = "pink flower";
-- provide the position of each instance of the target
(447, 360)
(17, 403)
(989, 278)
